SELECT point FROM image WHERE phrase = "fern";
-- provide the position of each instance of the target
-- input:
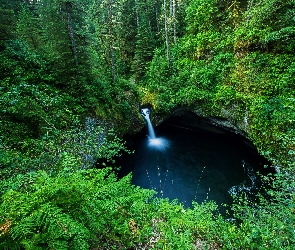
(72, 210)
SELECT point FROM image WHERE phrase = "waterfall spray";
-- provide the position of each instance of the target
(154, 142)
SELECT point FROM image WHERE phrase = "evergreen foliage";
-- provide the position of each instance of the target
(62, 62)
(72, 210)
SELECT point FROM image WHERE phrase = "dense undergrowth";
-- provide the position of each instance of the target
(72, 76)
(91, 209)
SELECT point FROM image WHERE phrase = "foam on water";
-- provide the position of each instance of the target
(153, 142)
(158, 143)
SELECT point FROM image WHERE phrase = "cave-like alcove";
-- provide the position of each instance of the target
(199, 162)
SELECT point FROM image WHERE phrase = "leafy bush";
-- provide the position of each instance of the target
(91, 208)
(80, 147)
(71, 210)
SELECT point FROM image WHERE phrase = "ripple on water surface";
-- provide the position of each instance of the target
(190, 165)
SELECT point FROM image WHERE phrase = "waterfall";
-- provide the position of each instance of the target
(146, 114)
(153, 142)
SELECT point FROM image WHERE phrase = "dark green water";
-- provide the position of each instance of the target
(195, 165)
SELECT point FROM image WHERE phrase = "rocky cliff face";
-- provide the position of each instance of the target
(219, 120)
(230, 119)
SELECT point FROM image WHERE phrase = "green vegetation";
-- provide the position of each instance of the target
(72, 74)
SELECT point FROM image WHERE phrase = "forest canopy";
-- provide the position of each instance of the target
(72, 75)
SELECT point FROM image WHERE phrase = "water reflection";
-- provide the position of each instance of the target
(192, 165)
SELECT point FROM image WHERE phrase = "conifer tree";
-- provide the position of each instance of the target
(8, 10)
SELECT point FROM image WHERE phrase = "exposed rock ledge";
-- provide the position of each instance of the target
(224, 120)
(228, 121)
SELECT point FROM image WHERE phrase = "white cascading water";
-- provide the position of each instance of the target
(146, 115)
(154, 142)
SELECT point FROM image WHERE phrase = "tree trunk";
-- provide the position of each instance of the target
(111, 37)
(171, 7)
(71, 32)
(166, 33)
(174, 20)
(150, 28)
(136, 12)
(157, 17)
